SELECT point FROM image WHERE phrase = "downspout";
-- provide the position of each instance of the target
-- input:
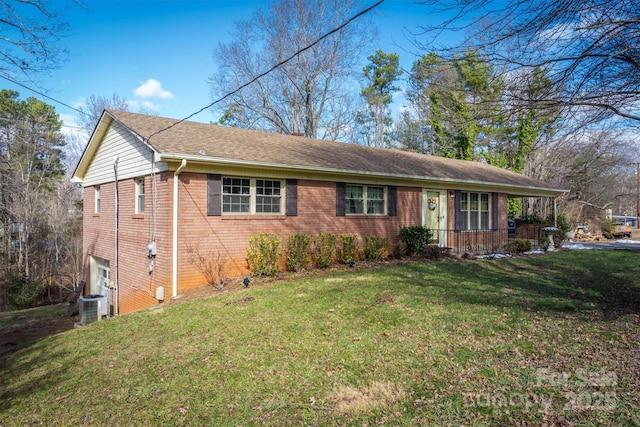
(176, 180)
(116, 283)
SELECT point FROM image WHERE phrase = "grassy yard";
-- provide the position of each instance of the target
(521, 341)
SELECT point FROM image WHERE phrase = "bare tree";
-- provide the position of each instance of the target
(64, 241)
(95, 105)
(30, 32)
(590, 49)
(307, 95)
(594, 165)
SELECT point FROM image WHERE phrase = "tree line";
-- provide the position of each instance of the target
(40, 209)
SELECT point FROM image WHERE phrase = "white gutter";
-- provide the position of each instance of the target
(117, 236)
(174, 278)
(445, 183)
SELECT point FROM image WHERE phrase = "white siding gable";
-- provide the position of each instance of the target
(134, 157)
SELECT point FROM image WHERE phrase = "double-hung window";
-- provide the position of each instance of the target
(139, 183)
(252, 196)
(236, 195)
(365, 199)
(268, 196)
(475, 211)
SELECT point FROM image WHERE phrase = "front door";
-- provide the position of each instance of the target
(434, 212)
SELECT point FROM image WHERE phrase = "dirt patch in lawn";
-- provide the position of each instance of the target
(23, 328)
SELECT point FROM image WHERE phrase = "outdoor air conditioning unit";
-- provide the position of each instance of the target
(88, 310)
(92, 308)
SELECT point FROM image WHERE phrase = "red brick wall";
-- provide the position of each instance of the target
(226, 236)
(137, 286)
(229, 234)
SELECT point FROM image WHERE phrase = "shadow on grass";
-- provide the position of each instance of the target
(22, 328)
(579, 281)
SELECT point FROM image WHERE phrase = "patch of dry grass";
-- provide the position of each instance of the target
(376, 396)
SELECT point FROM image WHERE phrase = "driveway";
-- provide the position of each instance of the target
(625, 244)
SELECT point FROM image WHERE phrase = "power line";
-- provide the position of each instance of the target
(46, 96)
(324, 36)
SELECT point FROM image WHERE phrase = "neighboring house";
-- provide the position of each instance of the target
(157, 191)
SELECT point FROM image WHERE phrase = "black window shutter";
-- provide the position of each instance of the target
(457, 209)
(392, 192)
(292, 197)
(494, 211)
(214, 194)
(341, 198)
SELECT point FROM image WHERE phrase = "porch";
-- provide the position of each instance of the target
(486, 241)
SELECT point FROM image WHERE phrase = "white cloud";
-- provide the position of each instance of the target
(152, 88)
(149, 105)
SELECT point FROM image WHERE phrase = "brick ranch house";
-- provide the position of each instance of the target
(157, 191)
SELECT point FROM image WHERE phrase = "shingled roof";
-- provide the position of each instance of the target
(214, 143)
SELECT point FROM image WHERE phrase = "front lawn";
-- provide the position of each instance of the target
(521, 341)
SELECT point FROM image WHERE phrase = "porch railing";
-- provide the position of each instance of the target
(485, 241)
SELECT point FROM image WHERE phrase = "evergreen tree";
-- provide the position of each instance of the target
(381, 74)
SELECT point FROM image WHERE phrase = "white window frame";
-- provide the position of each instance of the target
(96, 199)
(253, 196)
(365, 199)
(140, 195)
(472, 211)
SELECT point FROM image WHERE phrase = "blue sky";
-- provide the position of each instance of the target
(158, 54)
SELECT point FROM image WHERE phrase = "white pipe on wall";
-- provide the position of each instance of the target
(117, 214)
(174, 278)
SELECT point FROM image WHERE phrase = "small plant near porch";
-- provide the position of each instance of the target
(375, 247)
(519, 246)
(416, 239)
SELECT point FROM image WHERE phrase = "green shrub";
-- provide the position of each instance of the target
(22, 292)
(324, 249)
(518, 246)
(415, 239)
(262, 254)
(564, 226)
(375, 247)
(349, 250)
(608, 227)
(298, 251)
(530, 219)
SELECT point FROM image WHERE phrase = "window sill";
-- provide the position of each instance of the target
(250, 217)
(367, 215)
(137, 216)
